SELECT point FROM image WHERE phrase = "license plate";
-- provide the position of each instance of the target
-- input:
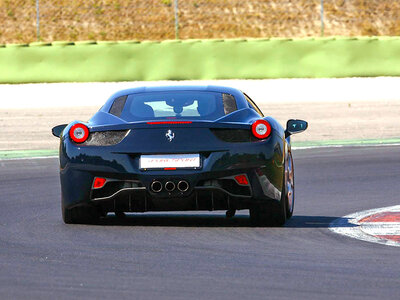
(162, 161)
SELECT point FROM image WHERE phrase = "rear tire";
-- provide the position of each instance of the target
(80, 215)
(290, 195)
(273, 215)
(268, 215)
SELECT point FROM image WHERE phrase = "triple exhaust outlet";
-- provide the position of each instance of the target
(169, 186)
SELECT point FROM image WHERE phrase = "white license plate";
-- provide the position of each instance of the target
(162, 161)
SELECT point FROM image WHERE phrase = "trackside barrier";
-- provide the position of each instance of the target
(199, 59)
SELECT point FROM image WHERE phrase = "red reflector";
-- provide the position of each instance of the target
(242, 179)
(170, 122)
(169, 169)
(99, 182)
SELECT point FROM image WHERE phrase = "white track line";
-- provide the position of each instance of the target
(349, 226)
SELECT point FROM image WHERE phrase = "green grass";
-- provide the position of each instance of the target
(11, 154)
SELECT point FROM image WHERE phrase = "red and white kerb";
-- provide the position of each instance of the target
(79, 133)
(379, 225)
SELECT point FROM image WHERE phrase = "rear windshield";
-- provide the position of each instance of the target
(173, 105)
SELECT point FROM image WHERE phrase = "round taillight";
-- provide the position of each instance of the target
(79, 133)
(261, 129)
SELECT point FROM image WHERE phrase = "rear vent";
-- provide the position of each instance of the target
(118, 106)
(229, 103)
(105, 138)
(233, 135)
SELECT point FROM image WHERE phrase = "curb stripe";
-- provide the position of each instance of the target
(393, 216)
(395, 238)
(349, 226)
(382, 229)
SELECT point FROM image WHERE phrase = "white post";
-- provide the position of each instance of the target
(322, 18)
(37, 21)
(176, 20)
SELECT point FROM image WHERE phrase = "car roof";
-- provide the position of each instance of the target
(169, 88)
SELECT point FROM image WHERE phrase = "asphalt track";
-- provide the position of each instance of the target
(203, 255)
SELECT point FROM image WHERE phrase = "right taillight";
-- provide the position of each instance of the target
(79, 133)
(261, 129)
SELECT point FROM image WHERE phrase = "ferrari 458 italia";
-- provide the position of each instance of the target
(179, 148)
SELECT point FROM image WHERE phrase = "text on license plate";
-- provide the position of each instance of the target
(161, 161)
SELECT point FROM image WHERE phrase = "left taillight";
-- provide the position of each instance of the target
(79, 133)
(261, 129)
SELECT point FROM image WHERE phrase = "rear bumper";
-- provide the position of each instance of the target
(138, 199)
(137, 196)
(210, 188)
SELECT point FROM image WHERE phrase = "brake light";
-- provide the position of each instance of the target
(169, 122)
(261, 129)
(99, 182)
(241, 179)
(79, 133)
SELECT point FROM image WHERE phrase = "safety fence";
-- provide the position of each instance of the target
(24, 21)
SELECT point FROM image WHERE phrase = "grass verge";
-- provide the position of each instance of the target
(11, 154)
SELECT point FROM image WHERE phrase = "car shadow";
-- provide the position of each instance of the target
(213, 220)
(318, 222)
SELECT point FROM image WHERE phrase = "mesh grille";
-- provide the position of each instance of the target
(105, 138)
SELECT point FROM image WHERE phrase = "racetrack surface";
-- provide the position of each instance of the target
(203, 255)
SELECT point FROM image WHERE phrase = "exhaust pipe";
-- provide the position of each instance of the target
(183, 186)
(156, 186)
(169, 186)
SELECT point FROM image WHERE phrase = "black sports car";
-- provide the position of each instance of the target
(177, 148)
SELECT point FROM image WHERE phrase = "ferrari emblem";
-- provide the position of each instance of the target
(170, 135)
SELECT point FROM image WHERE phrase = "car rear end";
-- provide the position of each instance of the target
(174, 161)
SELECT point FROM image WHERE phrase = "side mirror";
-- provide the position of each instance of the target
(57, 131)
(295, 126)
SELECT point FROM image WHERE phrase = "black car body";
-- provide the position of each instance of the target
(177, 148)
